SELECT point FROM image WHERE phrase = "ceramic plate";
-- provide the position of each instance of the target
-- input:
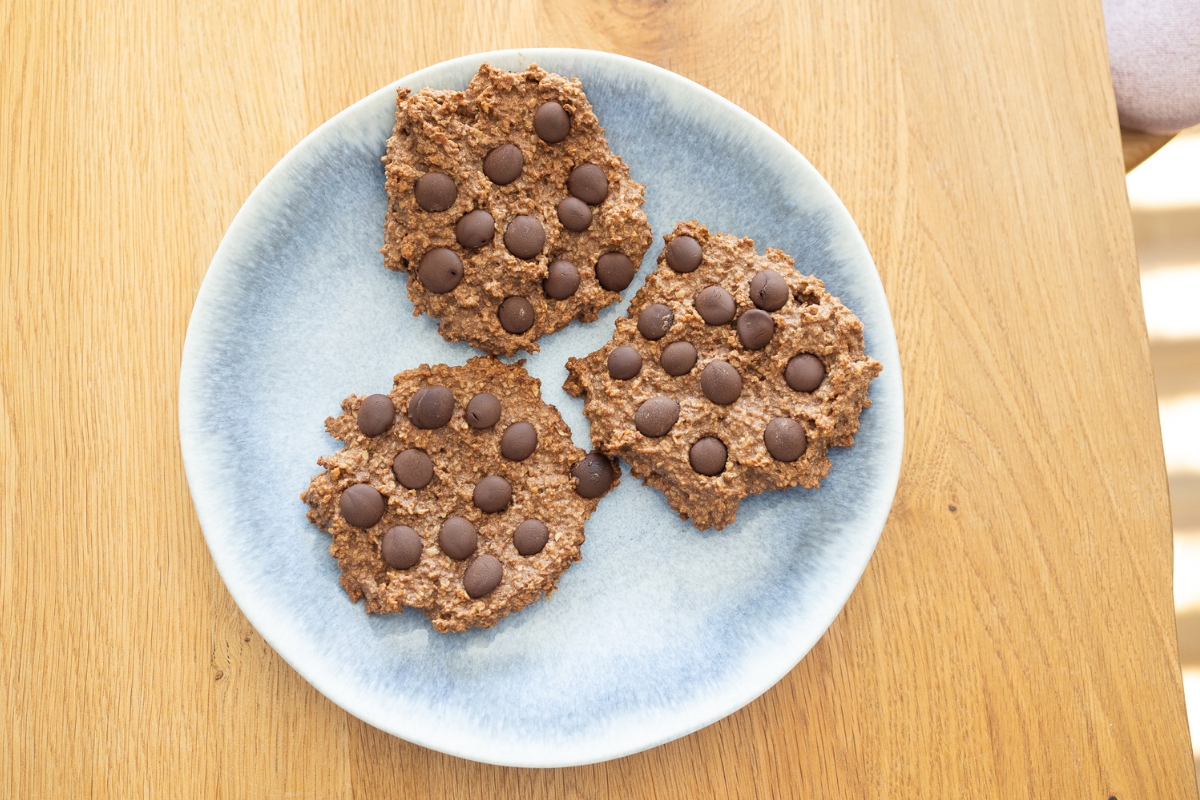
(661, 629)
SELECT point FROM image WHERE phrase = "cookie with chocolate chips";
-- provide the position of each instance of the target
(507, 209)
(732, 375)
(458, 493)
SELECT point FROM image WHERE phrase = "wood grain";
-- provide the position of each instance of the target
(1013, 635)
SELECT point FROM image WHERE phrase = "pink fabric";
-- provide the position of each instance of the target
(1154, 51)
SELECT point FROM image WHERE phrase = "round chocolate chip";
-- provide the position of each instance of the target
(708, 456)
(525, 237)
(530, 537)
(435, 191)
(588, 183)
(656, 416)
(574, 214)
(440, 270)
(593, 475)
(483, 411)
(804, 373)
(755, 329)
(503, 165)
(475, 229)
(715, 305)
(655, 320)
(720, 382)
(624, 363)
(516, 315)
(684, 254)
(562, 280)
(430, 408)
(482, 576)
(678, 358)
(362, 505)
(458, 538)
(769, 290)
(519, 441)
(492, 494)
(552, 122)
(401, 547)
(413, 469)
(615, 271)
(785, 439)
(376, 414)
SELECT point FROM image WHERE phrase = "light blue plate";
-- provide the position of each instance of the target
(661, 629)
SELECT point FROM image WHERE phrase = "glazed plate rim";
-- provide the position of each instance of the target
(350, 697)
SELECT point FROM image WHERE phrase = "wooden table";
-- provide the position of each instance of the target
(1013, 636)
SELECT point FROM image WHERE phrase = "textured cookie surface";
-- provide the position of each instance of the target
(454, 494)
(507, 209)
(732, 375)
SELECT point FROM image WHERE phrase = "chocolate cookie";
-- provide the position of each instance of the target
(507, 209)
(732, 375)
(458, 493)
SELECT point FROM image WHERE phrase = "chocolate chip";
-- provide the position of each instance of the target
(483, 411)
(458, 538)
(440, 270)
(435, 191)
(656, 416)
(785, 439)
(755, 329)
(475, 229)
(624, 363)
(516, 315)
(684, 254)
(655, 320)
(525, 237)
(708, 456)
(492, 494)
(552, 122)
(574, 214)
(721, 383)
(715, 305)
(678, 358)
(362, 505)
(562, 280)
(530, 537)
(769, 290)
(804, 373)
(519, 441)
(401, 547)
(615, 271)
(430, 408)
(376, 414)
(593, 475)
(483, 576)
(413, 469)
(588, 183)
(503, 165)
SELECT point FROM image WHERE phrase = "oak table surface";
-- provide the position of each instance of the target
(1013, 635)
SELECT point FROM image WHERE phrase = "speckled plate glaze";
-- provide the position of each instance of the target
(661, 629)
